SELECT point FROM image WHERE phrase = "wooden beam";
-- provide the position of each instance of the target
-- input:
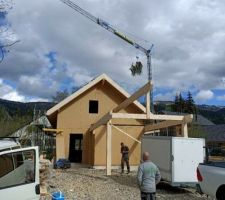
(184, 130)
(134, 97)
(188, 118)
(101, 121)
(126, 134)
(52, 130)
(166, 117)
(128, 116)
(109, 149)
(148, 103)
(160, 125)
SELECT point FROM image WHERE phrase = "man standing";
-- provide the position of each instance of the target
(125, 157)
(148, 176)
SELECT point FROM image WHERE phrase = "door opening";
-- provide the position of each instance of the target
(76, 146)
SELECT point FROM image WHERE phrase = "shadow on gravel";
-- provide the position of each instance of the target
(125, 179)
(93, 176)
(170, 189)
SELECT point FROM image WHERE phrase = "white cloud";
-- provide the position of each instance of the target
(188, 45)
(14, 96)
(9, 93)
(204, 95)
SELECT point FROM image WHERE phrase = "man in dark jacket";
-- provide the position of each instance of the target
(125, 157)
(148, 176)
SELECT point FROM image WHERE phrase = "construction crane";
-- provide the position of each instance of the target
(108, 27)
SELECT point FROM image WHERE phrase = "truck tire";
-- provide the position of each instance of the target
(220, 194)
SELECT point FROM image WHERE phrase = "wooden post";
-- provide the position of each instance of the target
(184, 130)
(109, 149)
(148, 105)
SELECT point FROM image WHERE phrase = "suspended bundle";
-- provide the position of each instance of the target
(136, 69)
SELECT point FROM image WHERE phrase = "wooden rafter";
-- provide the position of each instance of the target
(133, 97)
(101, 121)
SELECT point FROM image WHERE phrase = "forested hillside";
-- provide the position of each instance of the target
(14, 115)
(216, 116)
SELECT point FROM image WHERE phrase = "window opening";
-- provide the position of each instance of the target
(93, 106)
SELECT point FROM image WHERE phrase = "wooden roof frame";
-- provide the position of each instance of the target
(102, 77)
(172, 120)
(145, 113)
(169, 120)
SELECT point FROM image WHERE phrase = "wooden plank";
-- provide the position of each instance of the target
(160, 125)
(148, 103)
(109, 149)
(166, 117)
(128, 116)
(52, 130)
(126, 134)
(184, 130)
(101, 121)
(134, 97)
(188, 118)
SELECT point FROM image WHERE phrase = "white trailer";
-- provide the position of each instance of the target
(176, 157)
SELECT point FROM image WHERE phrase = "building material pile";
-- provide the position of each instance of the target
(44, 174)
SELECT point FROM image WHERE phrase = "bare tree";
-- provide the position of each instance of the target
(7, 36)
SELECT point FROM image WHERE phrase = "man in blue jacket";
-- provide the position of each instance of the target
(148, 176)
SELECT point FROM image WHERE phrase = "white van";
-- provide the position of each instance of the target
(19, 171)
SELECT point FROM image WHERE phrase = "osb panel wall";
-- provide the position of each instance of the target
(117, 138)
(75, 117)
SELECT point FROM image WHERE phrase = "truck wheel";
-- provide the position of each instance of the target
(220, 194)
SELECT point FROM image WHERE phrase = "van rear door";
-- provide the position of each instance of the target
(19, 174)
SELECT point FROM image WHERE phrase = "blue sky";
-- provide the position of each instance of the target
(60, 49)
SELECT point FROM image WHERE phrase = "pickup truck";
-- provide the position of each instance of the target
(19, 171)
(211, 178)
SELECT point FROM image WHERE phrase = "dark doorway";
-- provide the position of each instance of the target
(76, 145)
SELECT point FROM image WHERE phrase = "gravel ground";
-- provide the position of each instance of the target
(90, 184)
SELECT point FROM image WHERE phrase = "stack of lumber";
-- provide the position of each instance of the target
(44, 169)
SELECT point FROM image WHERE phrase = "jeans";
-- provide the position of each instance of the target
(148, 196)
(127, 163)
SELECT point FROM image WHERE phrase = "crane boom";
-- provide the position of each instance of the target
(108, 27)
(105, 25)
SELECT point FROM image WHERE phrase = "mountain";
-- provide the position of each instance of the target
(216, 114)
(210, 107)
(14, 115)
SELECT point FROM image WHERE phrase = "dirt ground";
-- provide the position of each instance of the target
(90, 184)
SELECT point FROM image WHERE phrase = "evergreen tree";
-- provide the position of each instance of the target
(190, 104)
(176, 103)
(181, 104)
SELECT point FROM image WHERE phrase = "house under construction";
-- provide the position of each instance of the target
(91, 123)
